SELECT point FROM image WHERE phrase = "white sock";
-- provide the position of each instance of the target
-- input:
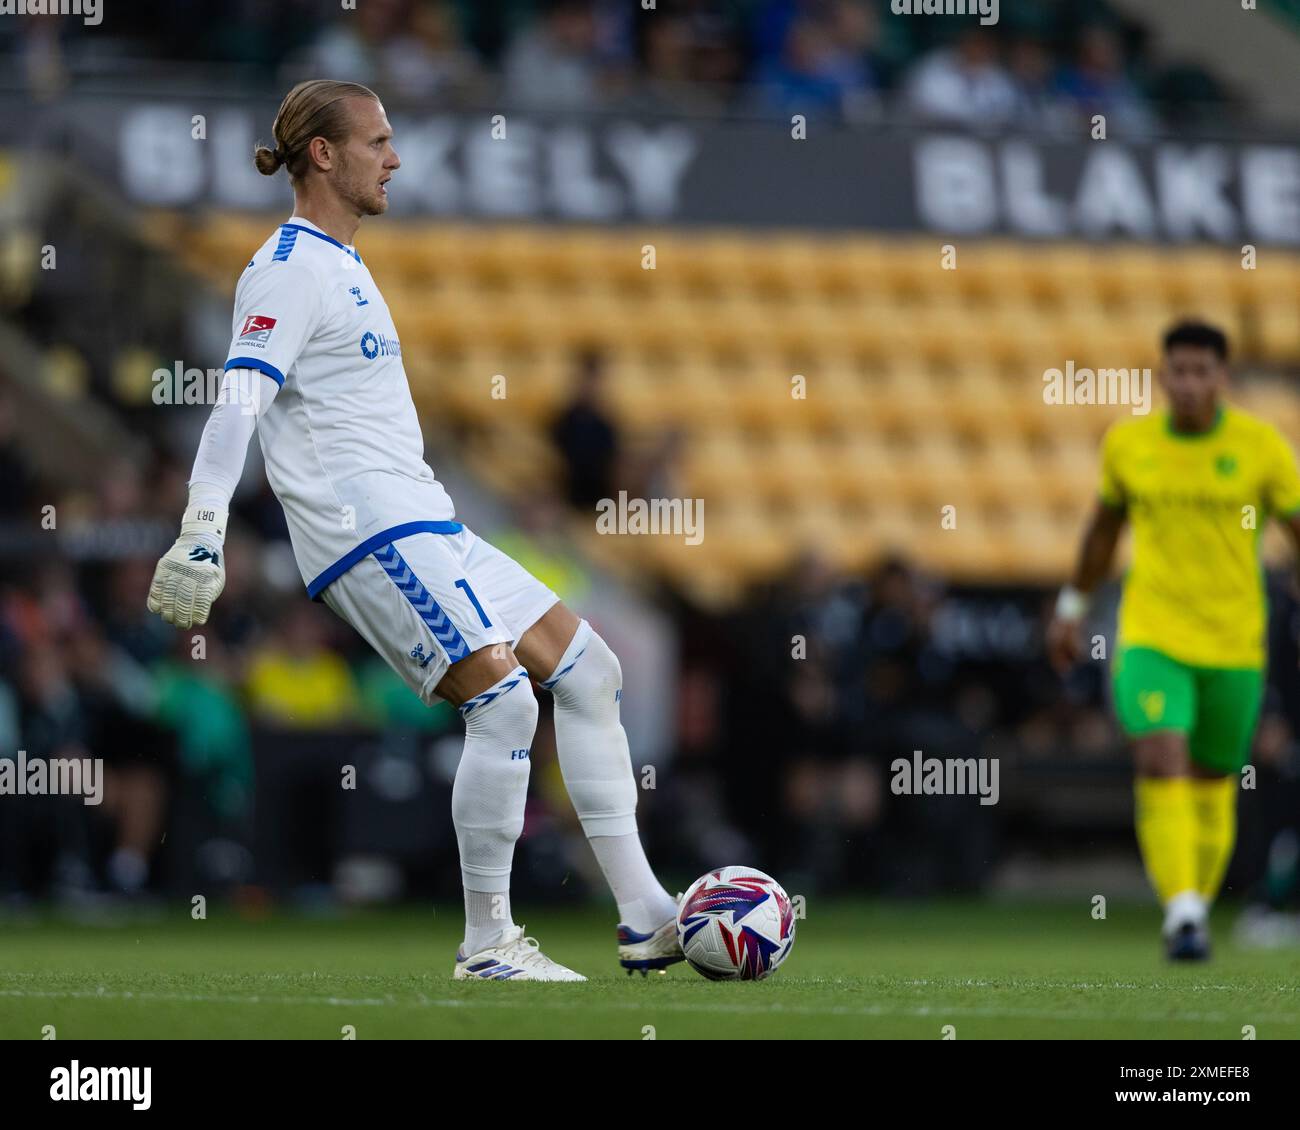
(487, 917)
(1185, 907)
(597, 770)
(643, 904)
(487, 800)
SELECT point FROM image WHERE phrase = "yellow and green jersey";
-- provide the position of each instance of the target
(1198, 505)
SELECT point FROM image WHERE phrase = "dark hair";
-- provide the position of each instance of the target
(1200, 335)
(316, 108)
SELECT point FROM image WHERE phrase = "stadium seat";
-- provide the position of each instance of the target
(922, 386)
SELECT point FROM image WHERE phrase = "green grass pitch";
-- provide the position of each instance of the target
(858, 970)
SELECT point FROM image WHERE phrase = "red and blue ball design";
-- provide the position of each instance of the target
(735, 924)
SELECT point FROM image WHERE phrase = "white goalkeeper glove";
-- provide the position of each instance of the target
(192, 573)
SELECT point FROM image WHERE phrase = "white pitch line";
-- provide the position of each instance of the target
(934, 1011)
(1022, 983)
(884, 982)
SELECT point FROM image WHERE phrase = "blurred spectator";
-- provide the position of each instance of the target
(44, 65)
(1096, 84)
(717, 60)
(666, 49)
(128, 622)
(1039, 104)
(657, 472)
(119, 699)
(15, 479)
(553, 63)
(45, 839)
(821, 68)
(687, 56)
(295, 682)
(389, 705)
(585, 435)
(965, 84)
(540, 543)
(855, 31)
(412, 50)
(1267, 858)
(688, 65)
(199, 700)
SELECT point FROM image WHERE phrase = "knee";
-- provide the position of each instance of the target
(594, 684)
(492, 778)
(508, 709)
(1161, 755)
(520, 711)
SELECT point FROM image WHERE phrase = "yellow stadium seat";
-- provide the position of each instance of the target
(921, 387)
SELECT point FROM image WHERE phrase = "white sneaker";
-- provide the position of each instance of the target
(655, 950)
(513, 958)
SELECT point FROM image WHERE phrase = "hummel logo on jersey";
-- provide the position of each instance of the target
(356, 293)
(257, 327)
(203, 553)
(417, 653)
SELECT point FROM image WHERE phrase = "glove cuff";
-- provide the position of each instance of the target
(205, 521)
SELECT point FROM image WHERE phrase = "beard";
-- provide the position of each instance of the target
(371, 203)
(359, 192)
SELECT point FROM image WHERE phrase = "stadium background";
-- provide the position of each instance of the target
(634, 136)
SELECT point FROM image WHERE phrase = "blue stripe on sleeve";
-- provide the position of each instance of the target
(256, 363)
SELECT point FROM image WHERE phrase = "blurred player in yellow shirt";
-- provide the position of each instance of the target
(1197, 482)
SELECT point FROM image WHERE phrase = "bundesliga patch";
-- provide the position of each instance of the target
(257, 328)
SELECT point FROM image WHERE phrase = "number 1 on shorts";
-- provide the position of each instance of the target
(469, 592)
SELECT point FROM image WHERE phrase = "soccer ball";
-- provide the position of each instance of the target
(735, 924)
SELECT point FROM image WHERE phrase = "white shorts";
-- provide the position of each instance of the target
(427, 601)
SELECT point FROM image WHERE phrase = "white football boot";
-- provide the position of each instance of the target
(655, 950)
(1187, 928)
(513, 958)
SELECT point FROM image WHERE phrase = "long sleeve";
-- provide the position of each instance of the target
(219, 464)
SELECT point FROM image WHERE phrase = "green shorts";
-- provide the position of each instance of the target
(1215, 707)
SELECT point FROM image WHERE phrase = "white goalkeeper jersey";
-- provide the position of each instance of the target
(341, 440)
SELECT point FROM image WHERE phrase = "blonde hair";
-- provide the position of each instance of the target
(315, 108)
